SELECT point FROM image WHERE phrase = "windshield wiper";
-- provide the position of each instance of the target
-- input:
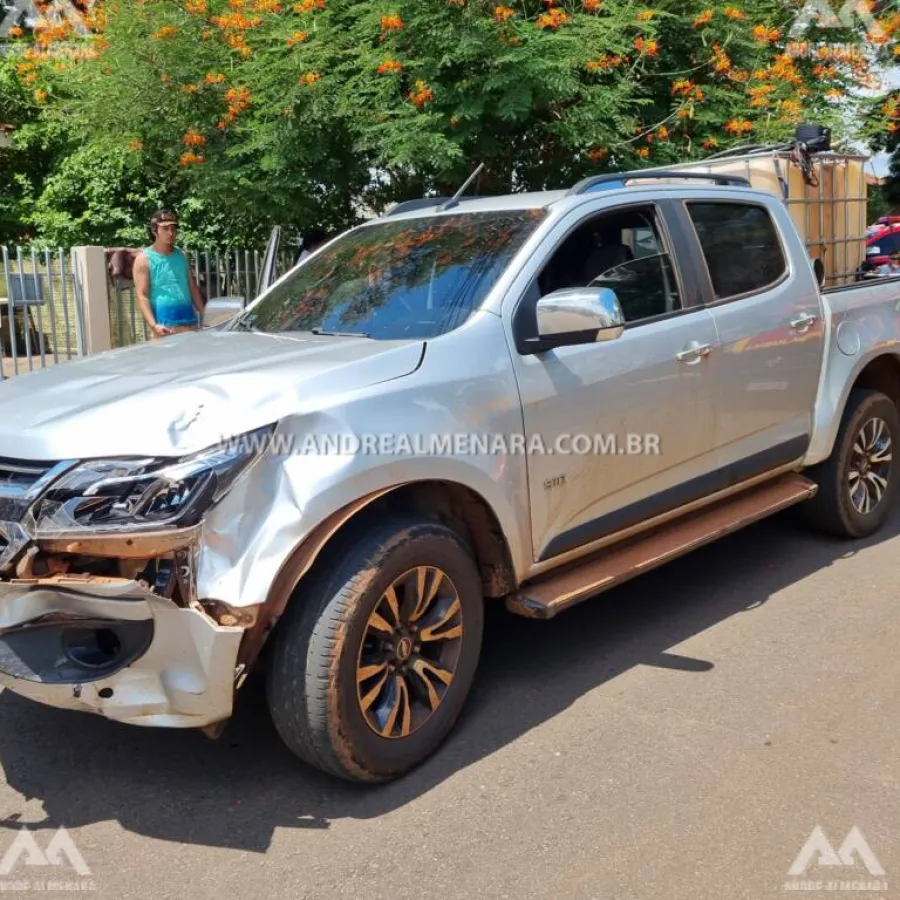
(324, 333)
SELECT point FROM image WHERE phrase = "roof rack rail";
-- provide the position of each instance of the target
(619, 178)
(411, 205)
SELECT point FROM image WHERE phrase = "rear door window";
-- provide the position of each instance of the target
(741, 246)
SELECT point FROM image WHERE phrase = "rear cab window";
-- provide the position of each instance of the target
(741, 245)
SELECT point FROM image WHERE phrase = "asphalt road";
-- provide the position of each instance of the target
(679, 737)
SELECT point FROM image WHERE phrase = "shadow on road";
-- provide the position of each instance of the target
(179, 786)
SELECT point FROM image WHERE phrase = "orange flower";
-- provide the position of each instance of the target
(503, 13)
(40, 96)
(765, 35)
(663, 133)
(305, 6)
(598, 153)
(391, 23)
(760, 90)
(190, 158)
(193, 138)
(591, 6)
(236, 21)
(645, 15)
(198, 7)
(310, 78)
(238, 100)
(165, 31)
(190, 88)
(682, 86)
(646, 48)
(643, 152)
(421, 95)
(390, 65)
(739, 126)
(721, 61)
(298, 37)
(734, 13)
(605, 62)
(214, 78)
(710, 143)
(553, 19)
(267, 6)
(703, 18)
(16, 32)
(134, 146)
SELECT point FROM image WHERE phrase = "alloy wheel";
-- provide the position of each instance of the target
(409, 652)
(870, 465)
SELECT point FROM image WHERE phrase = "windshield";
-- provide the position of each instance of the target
(414, 278)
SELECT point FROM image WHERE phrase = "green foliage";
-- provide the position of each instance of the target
(249, 113)
(28, 154)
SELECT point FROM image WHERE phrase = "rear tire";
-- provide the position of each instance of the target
(858, 482)
(374, 660)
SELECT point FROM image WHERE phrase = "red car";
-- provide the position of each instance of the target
(884, 243)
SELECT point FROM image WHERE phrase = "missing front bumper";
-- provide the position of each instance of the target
(115, 648)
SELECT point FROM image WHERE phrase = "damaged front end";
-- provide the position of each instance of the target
(99, 604)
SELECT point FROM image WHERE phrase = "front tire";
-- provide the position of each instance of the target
(373, 662)
(858, 482)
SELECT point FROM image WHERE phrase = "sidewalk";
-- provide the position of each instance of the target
(8, 364)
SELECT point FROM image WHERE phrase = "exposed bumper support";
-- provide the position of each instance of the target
(113, 647)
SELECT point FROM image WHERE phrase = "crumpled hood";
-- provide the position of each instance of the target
(185, 392)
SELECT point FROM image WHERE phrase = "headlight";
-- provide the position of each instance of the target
(107, 495)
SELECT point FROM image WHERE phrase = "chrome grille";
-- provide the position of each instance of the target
(22, 479)
(20, 475)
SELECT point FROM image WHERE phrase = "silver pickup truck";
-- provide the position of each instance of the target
(522, 400)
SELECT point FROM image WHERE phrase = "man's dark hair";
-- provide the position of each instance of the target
(313, 238)
(160, 216)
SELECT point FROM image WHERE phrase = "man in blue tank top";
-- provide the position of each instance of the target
(167, 292)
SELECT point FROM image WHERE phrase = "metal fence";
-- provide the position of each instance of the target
(41, 313)
(219, 273)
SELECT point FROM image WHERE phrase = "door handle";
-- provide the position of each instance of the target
(801, 323)
(694, 353)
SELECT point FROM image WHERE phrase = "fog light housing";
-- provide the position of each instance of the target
(92, 648)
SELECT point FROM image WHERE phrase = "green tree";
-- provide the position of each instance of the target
(255, 112)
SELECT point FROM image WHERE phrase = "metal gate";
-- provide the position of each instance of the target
(41, 310)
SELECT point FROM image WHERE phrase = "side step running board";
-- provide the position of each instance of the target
(544, 599)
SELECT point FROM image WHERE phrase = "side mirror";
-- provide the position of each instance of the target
(584, 315)
(220, 309)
